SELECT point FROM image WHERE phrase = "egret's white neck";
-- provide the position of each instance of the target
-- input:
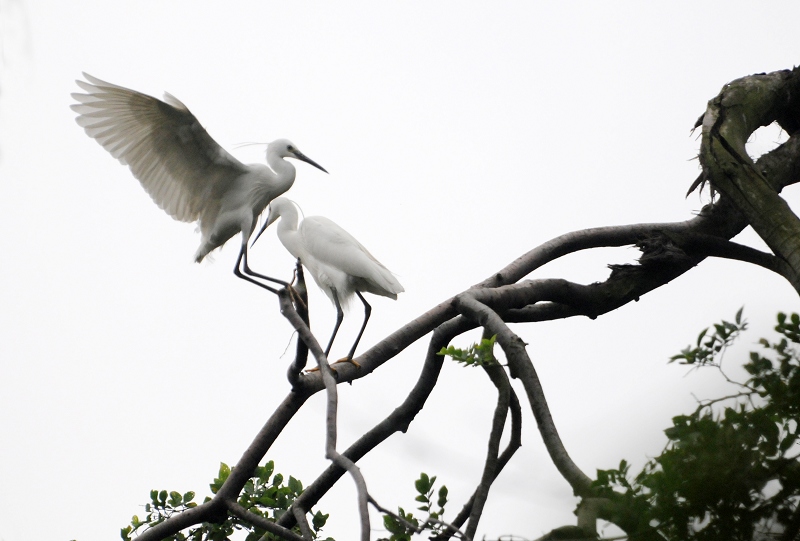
(284, 170)
(287, 231)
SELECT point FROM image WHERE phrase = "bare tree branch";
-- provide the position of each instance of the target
(513, 444)
(749, 194)
(710, 246)
(421, 527)
(490, 470)
(240, 512)
(331, 416)
(301, 307)
(300, 516)
(741, 107)
(398, 421)
(522, 368)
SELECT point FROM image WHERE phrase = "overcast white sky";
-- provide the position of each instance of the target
(458, 135)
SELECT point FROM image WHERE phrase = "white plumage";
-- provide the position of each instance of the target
(181, 167)
(339, 264)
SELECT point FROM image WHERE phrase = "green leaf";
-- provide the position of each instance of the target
(266, 501)
(701, 336)
(295, 486)
(442, 501)
(422, 484)
(175, 498)
(319, 520)
(476, 355)
(269, 468)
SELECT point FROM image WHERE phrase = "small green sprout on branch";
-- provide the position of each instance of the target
(476, 355)
(710, 347)
(403, 525)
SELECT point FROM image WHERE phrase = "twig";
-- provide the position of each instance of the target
(418, 529)
(498, 377)
(240, 512)
(301, 357)
(514, 443)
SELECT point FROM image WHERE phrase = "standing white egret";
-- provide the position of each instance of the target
(182, 168)
(340, 265)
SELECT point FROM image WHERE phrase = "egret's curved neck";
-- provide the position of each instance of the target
(287, 231)
(284, 170)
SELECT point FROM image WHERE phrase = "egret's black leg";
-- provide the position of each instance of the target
(237, 271)
(247, 270)
(339, 317)
(367, 312)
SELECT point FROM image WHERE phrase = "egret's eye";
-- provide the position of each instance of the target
(291, 148)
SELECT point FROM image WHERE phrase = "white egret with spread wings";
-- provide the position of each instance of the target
(182, 168)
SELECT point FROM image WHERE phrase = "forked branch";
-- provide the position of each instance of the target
(749, 196)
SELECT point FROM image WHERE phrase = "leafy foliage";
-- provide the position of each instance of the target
(476, 355)
(404, 525)
(264, 495)
(710, 347)
(729, 471)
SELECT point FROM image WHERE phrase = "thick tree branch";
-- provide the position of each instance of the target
(710, 246)
(521, 368)
(719, 219)
(241, 513)
(213, 511)
(669, 250)
(742, 107)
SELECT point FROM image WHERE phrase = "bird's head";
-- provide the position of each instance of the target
(286, 149)
(277, 208)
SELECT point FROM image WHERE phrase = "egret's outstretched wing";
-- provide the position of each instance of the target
(182, 168)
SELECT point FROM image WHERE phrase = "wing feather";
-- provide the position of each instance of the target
(332, 245)
(177, 162)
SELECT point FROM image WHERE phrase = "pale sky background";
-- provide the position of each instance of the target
(458, 135)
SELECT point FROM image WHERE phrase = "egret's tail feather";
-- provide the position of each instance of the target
(201, 253)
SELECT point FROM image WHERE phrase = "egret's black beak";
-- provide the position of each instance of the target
(265, 226)
(300, 156)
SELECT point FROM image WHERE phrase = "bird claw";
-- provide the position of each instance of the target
(342, 360)
(296, 297)
(348, 360)
(316, 369)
